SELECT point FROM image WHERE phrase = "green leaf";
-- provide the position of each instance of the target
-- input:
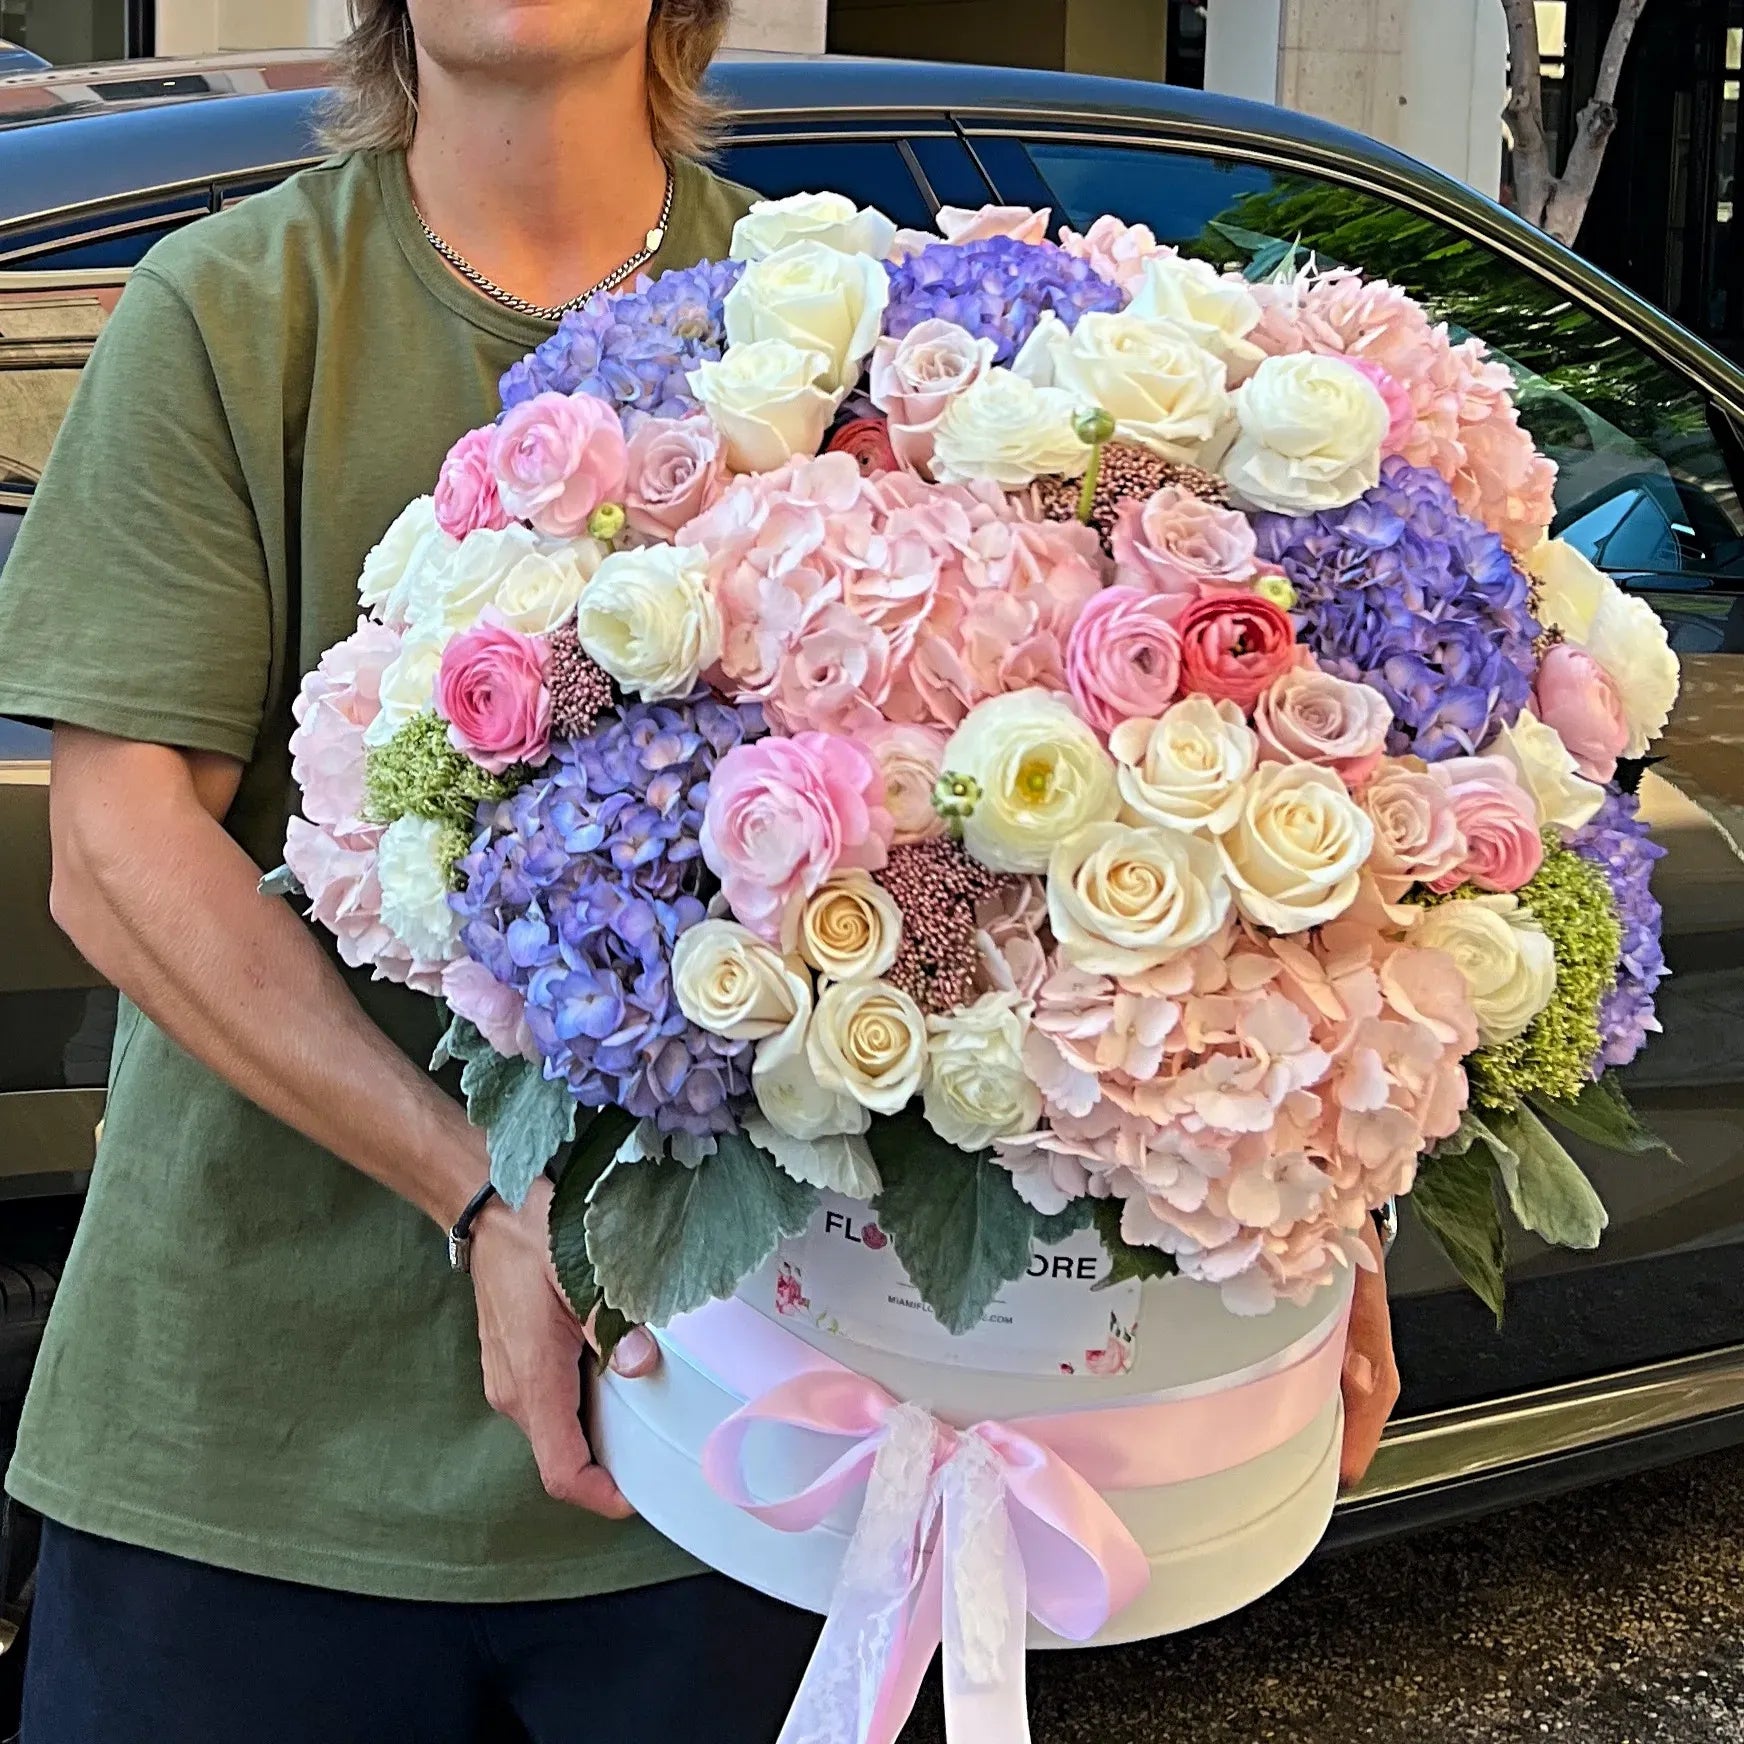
(1079, 1214)
(1129, 1261)
(609, 1327)
(281, 881)
(665, 1239)
(594, 1152)
(527, 1119)
(1546, 1187)
(460, 1041)
(1455, 1199)
(1601, 1113)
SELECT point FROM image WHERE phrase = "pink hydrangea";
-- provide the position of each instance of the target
(499, 1013)
(337, 701)
(1116, 250)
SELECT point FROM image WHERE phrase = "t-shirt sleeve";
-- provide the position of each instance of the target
(136, 599)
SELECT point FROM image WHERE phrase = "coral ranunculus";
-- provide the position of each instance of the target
(1235, 646)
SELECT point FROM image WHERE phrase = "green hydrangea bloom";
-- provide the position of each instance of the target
(417, 773)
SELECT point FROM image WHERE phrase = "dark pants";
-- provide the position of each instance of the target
(132, 1647)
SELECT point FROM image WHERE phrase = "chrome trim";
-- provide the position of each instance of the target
(72, 278)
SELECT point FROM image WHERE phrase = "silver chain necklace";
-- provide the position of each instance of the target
(556, 311)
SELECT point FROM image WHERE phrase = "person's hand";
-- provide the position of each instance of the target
(1371, 1377)
(531, 1344)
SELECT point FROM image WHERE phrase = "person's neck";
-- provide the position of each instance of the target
(544, 192)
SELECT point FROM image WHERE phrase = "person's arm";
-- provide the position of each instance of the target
(1371, 1375)
(163, 902)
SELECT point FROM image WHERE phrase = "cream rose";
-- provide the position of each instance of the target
(976, 1090)
(408, 684)
(416, 878)
(1186, 770)
(1160, 386)
(1546, 768)
(1311, 435)
(539, 593)
(649, 618)
(1038, 774)
(832, 219)
(1507, 959)
(450, 593)
(1217, 310)
(816, 298)
(1122, 900)
(1009, 432)
(867, 1040)
(837, 1162)
(787, 1089)
(850, 928)
(733, 984)
(404, 551)
(767, 401)
(1296, 850)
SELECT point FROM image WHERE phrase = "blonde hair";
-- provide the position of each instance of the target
(374, 105)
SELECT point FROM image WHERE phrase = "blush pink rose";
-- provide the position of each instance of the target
(1499, 820)
(1235, 647)
(783, 815)
(1123, 661)
(466, 499)
(1175, 542)
(915, 379)
(1580, 699)
(557, 457)
(911, 758)
(1417, 837)
(491, 691)
(1312, 717)
(676, 469)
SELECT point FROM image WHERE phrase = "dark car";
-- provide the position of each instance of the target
(1610, 1361)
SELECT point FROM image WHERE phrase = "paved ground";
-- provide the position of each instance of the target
(1611, 1617)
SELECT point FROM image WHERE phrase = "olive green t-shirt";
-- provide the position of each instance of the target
(259, 1358)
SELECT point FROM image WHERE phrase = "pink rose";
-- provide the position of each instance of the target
(1580, 699)
(783, 814)
(676, 469)
(1235, 646)
(557, 457)
(1123, 661)
(1499, 821)
(1401, 411)
(499, 1013)
(915, 378)
(911, 758)
(491, 691)
(1313, 717)
(466, 489)
(1417, 836)
(1175, 542)
(969, 224)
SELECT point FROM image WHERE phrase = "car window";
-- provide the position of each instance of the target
(872, 172)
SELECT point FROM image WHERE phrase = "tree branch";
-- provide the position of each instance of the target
(1569, 199)
(1533, 184)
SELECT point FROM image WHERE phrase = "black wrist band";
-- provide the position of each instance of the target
(460, 1236)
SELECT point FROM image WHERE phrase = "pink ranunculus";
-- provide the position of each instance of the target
(499, 1013)
(1417, 836)
(1235, 646)
(911, 758)
(676, 469)
(1499, 820)
(1123, 661)
(1115, 250)
(467, 500)
(1402, 415)
(1313, 717)
(915, 379)
(1580, 699)
(1176, 542)
(783, 815)
(557, 458)
(491, 691)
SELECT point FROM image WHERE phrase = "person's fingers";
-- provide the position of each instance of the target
(1370, 1393)
(637, 1354)
(551, 1418)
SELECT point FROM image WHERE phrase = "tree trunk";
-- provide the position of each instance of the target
(1598, 121)
(1533, 173)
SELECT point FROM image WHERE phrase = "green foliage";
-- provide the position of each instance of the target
(526, 1119)
(417, 773)
(1079, 1214)
(1601, 1114)
(600, 1141)
(1455, 1200)
(1129, 1261)
(1546, 1189)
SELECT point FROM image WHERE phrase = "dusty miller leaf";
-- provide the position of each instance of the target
(1455, 1200)
(1601, 1114)
(594, 1151)
(1546, 1187)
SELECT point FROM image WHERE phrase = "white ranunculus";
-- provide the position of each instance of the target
(450, 594)
(832, 219)
(1311, 435)
(404, 551)
(787, 1088)
(850, 928)
(1546, 768)
(868, 1040)
(416, 877)
(408, 684)
(1295, 852)
(840, 1163)
(1218, 309)
(734, 984)
(976, 1090)
(1039, 774)
(539, 593)
(649, 618)
(1185, 771)
(1009, 432)
(1122, 900)
(768, 402)
(816, 298)
(1507, 959)
(1160, 386)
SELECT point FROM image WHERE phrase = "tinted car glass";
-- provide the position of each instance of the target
(872, 172)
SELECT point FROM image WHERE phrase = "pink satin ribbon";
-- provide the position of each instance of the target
(962, 1532)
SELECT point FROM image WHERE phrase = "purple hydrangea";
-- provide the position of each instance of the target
(633, 348)
(1404, 592)
(1618, 843)
(576, 890)
(998, 289)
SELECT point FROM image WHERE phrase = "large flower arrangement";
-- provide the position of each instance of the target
(1027, 735)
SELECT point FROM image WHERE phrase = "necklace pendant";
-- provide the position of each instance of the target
(655, 237)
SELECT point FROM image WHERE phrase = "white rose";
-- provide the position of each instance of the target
(1547, 771)
(416, 876)
(832, 219)
(850, 928)
(1185, 771)
(1296, 850)
(733, 984)
(976, 1090)
(787, 1088)
(1217, 309)
(1123, 900)
(767, 402)
(450, 593)
(1507, 959)
(868, 1040)
(404, 550)
(1039, 774)
(408, 684)
(1008, 431)
(1160, 386)
(839, 1163)
(1311, 435)
(649, 618)
(539, 594)
(816, 298)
